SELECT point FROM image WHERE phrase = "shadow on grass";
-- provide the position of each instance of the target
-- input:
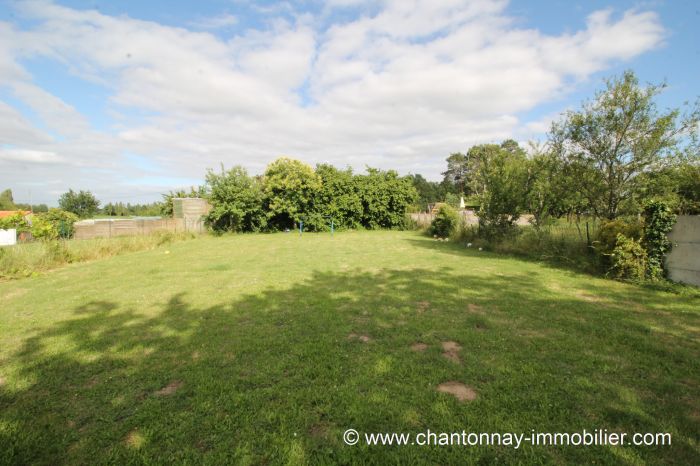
(275, 378)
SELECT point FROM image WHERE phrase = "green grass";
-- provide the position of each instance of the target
(31, 259)
(250, 333)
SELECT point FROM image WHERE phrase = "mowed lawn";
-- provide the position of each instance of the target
(264, 349)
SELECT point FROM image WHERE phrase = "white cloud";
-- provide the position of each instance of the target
(399, 87)
(29, 156)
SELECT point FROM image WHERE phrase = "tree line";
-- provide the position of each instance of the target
(291, 192)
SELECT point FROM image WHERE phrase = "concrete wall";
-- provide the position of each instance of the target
(110, 228)
(8, 237)
(192, 211)
(683, 262)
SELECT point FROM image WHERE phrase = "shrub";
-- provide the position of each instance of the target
(446, 222)
(629, 259)
(658, 222)
(606, 240)
(55, 223)
(16, 221)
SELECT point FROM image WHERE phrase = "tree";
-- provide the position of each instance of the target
(236, 201)
(290, 188)
(83, 203)
(499, 178)
(616, 137)
(456, 175)
(548, 189)
(386, 197)
(339, 198)
(6, 200)
(429, 192)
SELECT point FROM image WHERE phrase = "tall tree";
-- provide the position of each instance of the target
(617, 136)
(456, 175)
(499, 178)
(290, 188)
(236, 200)
(83, 203)
(6, 200)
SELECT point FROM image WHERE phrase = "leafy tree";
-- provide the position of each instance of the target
(290, 188)
(83, 203)
(457, 174)
(429, 192)
(339, 198)
(549, 193)
(616, 137)
(500, 181)
(6, 201)
(677, 184)
(36, 208)
(385, 197)
(236, 200)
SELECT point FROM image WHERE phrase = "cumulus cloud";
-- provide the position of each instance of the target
(400, 85)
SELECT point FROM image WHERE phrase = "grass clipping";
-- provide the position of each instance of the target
(29, 259)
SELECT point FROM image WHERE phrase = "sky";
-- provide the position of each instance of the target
(132, 99)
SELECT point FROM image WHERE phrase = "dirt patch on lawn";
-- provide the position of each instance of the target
(451, 351)
(422, 306)
(169, 389)
(2, 381)
(457, 389)
(16, 293)
(134, 439)
(475, 308)
(419, 347)
(362, 338)
(320, 431)
(90, 383)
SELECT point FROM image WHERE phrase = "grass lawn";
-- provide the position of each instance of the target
(264, 349)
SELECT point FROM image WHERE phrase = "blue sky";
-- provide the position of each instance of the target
(133, 98)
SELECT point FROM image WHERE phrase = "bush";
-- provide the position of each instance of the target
(629, 259)
(16, 221)
(658, 222)
(606, 240)
(445, 223)
(55, 223)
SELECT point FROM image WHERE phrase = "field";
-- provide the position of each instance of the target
(264, 349)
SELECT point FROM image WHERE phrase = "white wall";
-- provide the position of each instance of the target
(8, 237)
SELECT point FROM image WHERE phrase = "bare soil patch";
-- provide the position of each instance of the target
(134, 439)
(475, 308)
(362, 338)
(422, 306)
(320, 430)
(419, 347)
(451, 351)
(457, 389)
(169, 389)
